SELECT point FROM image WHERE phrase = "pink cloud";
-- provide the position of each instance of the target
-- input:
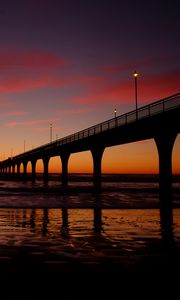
(6, 103)
(160, 85)
(17, 113)
(149, 88)
(74, 111)
(92, 89)
(131, 66)
(25, 83)
(30, 60)
(30, 123)
(46, 128)
(109, 92)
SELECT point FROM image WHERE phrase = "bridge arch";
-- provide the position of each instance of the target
(55, 164)
(176, 156)
(21, 169)
(10, 169)
(137, 157)
(16, 169)
(39, 169)
(29, 167)
(80, 162)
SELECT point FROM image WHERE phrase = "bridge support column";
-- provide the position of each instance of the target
(24, 169)
(97, 157)
(45, 162)
(18, 169)
(33, 163)
(8, 169)
(13, 169)
(64, 160)
(164, 143)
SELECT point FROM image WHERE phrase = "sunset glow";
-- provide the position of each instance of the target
(71, 66)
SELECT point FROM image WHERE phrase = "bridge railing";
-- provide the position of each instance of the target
(143, 112)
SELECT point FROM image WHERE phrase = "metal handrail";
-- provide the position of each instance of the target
(148, 110)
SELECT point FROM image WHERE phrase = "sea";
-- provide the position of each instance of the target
(46, 228)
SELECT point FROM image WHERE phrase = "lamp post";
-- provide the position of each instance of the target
(50, 132)
(115, 111)
(135, 74)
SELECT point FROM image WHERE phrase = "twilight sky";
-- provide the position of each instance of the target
(70, 63)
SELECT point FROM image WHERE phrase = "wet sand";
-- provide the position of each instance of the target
(91, 282)
(31, 272)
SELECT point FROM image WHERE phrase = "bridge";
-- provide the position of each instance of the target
(159, 120)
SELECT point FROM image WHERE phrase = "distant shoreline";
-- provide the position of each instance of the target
(105, 177)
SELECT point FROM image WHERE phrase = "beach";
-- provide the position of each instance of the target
(51, 237)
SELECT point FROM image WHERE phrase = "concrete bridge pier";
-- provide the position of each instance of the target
(46, 163)
(97, 153)
(13, 169)
(64, 159)
(33, 164)
(165, 142)
(24, 169)
(18, 169)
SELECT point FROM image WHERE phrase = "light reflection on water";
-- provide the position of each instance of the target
(42, 223)
(116, 223)
(79, 234)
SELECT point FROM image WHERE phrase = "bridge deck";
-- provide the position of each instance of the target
(146, 112)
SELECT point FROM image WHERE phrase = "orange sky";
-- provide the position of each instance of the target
(140, 157)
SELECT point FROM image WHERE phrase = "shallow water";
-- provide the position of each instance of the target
(84, 235)
(124, 192)
(119, 226)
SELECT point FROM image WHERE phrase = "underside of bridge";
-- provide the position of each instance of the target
(161, 126)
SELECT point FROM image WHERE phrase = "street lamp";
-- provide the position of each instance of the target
(115, 111)
(135, 74)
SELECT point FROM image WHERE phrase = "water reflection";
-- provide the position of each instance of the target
(24, 223)
(78, 222)
(32, 219)
(86, 230)
(45, 222)
(167, 231)
(97, 220)
(64, 228)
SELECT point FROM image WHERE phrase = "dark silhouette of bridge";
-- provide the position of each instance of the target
(159, 120)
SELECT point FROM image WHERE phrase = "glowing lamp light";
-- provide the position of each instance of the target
(135, 74)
